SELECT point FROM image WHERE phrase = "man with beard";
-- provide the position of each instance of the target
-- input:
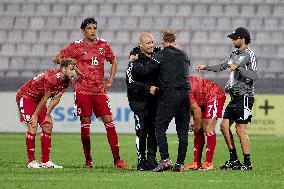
(243, 65)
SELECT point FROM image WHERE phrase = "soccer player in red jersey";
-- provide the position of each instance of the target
(90, 89)
(206, 102)
(31, 100)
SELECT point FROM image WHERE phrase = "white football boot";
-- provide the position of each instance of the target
(34, 164)
(50, 164)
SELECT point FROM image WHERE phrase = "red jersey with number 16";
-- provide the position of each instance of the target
(90, 62)
(35, 88)
(203, 90)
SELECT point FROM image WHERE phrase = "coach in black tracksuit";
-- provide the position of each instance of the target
(173, 99)
(141, 89)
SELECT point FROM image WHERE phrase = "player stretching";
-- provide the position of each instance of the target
(243, 65)
(31, 100)
(90, 89)
(206, 102)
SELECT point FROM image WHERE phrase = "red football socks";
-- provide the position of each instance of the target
(112, 139)
(210, 147)
(30, 144)
(85, 138)
(199, 141)
(45, 140)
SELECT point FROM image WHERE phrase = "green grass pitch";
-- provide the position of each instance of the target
(267, 158)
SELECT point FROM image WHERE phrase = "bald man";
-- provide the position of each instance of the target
(141, 93)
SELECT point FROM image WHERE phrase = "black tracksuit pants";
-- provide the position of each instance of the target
(173, 103)
(145, 134)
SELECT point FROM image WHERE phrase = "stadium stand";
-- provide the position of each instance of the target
(32, 31)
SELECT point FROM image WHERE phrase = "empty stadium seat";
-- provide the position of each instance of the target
(263, 10)
(280, 52)
(38, 50)
(52, 22)
(231, 10)
(177, 23)
(17, 63)
(15, 36)
(200, 37)
(130, 22)
(256, 23)
(108, 35)
(161, 22)
(74, 9)
(37, 22)
(21, 22)
(43, 9)
(8, 49)
(122, 10)
(12, 8)
(271, 23)
(278, 9)
(106, 9)
(89, 10)
(137, 10)
(58, 9)
(52, 49)
(146, 23)
(45, 36)
(224, 23)
(216, 10)
(277, 37)
(36, 30)
(114, 22)
(183, 37)
(7, 22)
(183, 10)
(4, 62)
(3, 36)
(152, 9)
(23, 49)
(28, 8)
(122, 37)
(168, 9)
(200, 9)
(248, 10)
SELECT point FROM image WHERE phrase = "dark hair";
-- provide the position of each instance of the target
(247, 40)
(66, 62)
(169, 36)
(87, 21)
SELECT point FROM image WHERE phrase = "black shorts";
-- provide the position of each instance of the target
(239, 109)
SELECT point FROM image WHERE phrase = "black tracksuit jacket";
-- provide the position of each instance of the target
(139, 82)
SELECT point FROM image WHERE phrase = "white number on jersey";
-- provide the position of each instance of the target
(95, 62)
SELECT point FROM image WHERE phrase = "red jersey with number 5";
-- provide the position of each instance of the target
(203, 90)
(90, 62)
(35, 88)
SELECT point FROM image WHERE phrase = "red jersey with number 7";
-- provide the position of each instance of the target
(90, 60)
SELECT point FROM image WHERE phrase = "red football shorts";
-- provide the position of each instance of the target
(86, 104)
(27, 108)
(214, 108)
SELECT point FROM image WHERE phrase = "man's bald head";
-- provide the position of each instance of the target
(144, 35)
(146, 43)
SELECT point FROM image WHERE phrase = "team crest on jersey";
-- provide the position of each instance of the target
(241, 58)
(101, 50)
